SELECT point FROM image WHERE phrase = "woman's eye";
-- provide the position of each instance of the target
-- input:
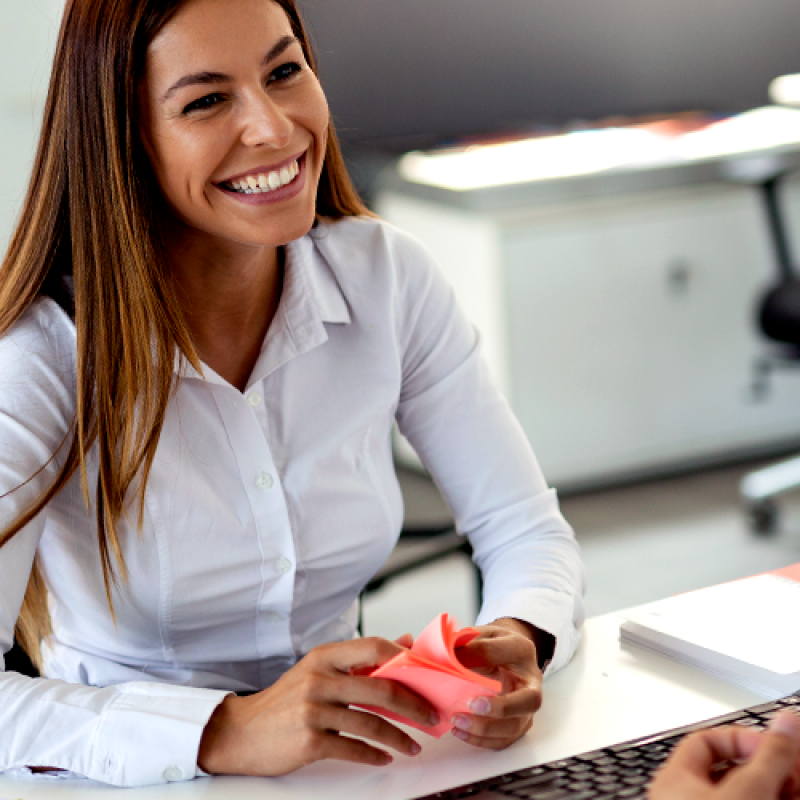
(284, 72)
(203, 103)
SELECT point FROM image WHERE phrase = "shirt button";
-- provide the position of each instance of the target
(264, 481)
(273, 616)
(173, 774)
(283, 565)
(254, 398)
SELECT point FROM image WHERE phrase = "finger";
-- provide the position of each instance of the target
(340, 690)
(356, 653)
(773, 762)
(487, 727)
(491, 742)
(523, 702)
(393, 696)
(363, 724)
(406, 641)
(343, 748)
(502, 649)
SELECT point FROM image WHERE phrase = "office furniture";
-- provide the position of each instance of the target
(605, 695)
(16, 660)
(779, 320)
(615, 310)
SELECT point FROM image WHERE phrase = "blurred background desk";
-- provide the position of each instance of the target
(616, 304)
(604, 696)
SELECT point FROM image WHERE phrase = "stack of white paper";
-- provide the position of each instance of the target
(747, 632)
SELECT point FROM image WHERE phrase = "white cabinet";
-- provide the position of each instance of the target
(622, 329)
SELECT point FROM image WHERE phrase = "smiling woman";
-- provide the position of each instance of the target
(204, 342)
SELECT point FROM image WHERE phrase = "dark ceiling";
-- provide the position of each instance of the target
(404, 73)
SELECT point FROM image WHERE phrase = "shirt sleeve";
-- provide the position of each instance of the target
(466, 435)
(129, 735)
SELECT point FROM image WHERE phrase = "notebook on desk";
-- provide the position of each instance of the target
(620, 771)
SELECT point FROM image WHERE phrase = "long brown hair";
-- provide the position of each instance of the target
(88, 237)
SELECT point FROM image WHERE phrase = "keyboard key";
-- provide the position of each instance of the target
(529, 771)
(579, 766)
(543, 794)
(593, 755)
(611, 788)
(635, 780)
(536, 780)
(764, 707)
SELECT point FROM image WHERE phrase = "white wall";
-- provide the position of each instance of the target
(28, 30)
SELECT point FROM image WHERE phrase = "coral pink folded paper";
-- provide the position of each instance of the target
(430, 668)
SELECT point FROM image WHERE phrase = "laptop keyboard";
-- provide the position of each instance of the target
(622, 771)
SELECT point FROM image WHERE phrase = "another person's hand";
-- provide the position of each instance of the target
(299, 719)
(504, 651)
(771, 771)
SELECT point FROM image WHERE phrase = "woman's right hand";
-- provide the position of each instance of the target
(300, 718)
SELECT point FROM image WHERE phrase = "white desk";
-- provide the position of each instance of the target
(604, 696)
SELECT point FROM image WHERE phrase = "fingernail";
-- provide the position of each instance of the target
(479, 705)
(460, 734)
(786, 723)
(462, 722)
(387, 759)
(434, 718)
(415, 749)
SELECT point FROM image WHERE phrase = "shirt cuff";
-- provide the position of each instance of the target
(158, 727)
(548, 610)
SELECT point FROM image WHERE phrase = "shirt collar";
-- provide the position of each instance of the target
(311, 296)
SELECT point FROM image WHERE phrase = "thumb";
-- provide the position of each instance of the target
(773, 763)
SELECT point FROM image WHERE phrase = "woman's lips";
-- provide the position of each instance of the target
(260, 187)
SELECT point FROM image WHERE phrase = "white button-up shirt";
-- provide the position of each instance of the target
(266, 511)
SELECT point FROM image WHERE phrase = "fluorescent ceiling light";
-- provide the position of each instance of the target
(594, 151)
(759, 129)
(785, 90)
(578, 153)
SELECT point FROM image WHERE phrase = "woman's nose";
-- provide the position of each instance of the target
(265, 124)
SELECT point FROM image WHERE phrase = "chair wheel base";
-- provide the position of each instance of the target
(763, 518)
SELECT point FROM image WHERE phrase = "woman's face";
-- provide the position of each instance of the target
(234, 122)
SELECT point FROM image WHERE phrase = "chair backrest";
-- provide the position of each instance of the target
(16, 660)
(779, 311)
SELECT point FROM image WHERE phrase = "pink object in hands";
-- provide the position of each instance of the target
(430, 668)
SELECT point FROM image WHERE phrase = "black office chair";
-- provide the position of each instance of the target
(16, 660)
(779, 320)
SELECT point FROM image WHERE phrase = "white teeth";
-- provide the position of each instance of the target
(260, 184)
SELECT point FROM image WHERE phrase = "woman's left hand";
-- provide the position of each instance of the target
(504, 651)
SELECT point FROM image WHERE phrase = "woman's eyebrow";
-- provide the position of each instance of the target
(202, 78)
